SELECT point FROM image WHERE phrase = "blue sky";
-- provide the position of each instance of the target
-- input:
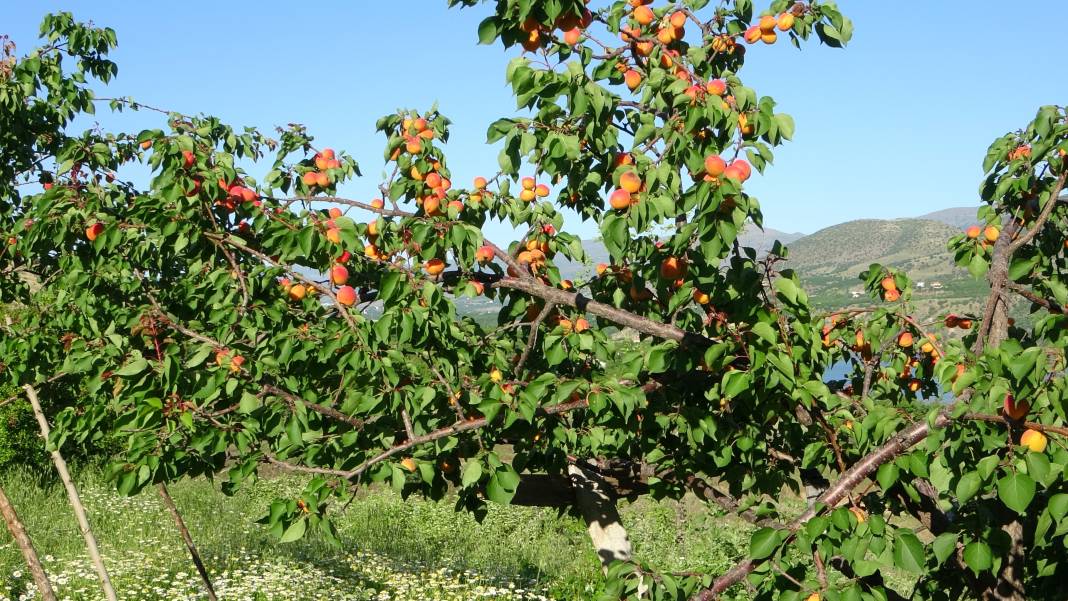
(895, 125)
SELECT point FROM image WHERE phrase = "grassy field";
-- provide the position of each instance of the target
(393, 549)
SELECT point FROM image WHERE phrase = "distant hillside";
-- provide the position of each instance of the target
(956, 217)
(831, 260)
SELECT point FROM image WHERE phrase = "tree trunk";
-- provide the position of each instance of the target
(18, 532)
(75, 500)
(187, 539)
(598, 509)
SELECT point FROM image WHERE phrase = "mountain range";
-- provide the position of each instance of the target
(830, 260)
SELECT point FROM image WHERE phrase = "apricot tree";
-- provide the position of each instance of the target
(224, 321)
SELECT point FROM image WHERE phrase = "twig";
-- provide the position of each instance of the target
(168, 502)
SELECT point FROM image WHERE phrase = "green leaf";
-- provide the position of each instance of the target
(908, 552)
(295, 531)
(199, 357)
(1016, 491)
(978, 557)
(887, 475)
(763, 543)
(134, 367)
(487, 30)
(944, 546)
(967, 486)
(472, 473)
(249, 403)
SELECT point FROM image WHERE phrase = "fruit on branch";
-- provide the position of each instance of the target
(813, 597)
(904, 340)
(1022, 151)
(434, 266)
(377, 204)
(333, 234)
(769, 37)
(1016, 410)
(297, 292)
(346, 295)
(541, 190)
(94, 230)
(716, 87)
(752, 35)
(408, 463)
(188, 159)
(633, 79)
(715, 166)
(620, 200)
(1034, 440)
(914, 385)
(339, 275)
(888, 283)
(572, 36)
(371, 252)
(973, 232)
(480, 183)
(677, 19)
(991, 233)
(672, 268)
(581, 324)
(431, 206)
(630, 181)
(965, 324)
(857, 512)
(767, 24)
(738, 170)
(785, 22)
(952, 321)
(484, 254)
(643, 15)
(891, 295)
(701, 298)
(236, 363)
(496, 375)
(334, 212)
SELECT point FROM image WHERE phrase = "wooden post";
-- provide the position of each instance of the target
(75, 500)
(187, 539)
(18, 532)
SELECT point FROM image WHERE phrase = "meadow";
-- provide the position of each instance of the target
(392, 549)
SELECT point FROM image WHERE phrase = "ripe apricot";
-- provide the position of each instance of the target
(701, 298)
(527, 183)
(339, 275)
(632, 78)
(333, 235)
(715, 165)
(431, 206)
(630, 182)
(541, 190)
(620, 199)
(187, 159)
(572, 36)
(766, 24)
(480, 183)
(1034, 440)
(377, 204)
(716, 87)
(643, 15)
(310, 179)
(785, 22)
(677, 19)
(904, 340)
(94, 230)
(672, 268)
(991, 233)
(346, 295)
(484, 254)
(297, 291)
(888, 283)
(434, 266)
(752, 35)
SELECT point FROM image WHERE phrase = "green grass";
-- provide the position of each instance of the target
(392, 548)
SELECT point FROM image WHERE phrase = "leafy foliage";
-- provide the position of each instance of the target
(185, 311)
